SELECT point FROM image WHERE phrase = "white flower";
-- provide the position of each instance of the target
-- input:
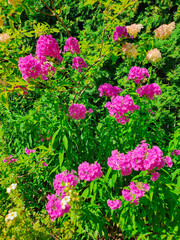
(11, 216)
(64, 201)
(12, 187)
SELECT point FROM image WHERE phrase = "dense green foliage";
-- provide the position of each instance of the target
(42, 114)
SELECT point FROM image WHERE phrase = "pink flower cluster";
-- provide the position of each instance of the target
(138, 74)
(114, 204)
(54, 206)
(31, 67)
(120, 161)
(149, 90)
(119, 106)
(28, 151)
(175, 152)
(47, 46)
(64, 179)
(141, 158)
(137, 190)
(119, 32)
(78, 63)
(109, 90)
(57, 204)
(72, 45)
(10, 159)
(89, 172)
(77, 111)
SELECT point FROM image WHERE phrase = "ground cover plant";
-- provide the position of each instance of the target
(89, 119)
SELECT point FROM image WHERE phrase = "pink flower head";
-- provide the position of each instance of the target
(44, 164)
(28, 151)
(31, 67)
(138, 74)
(64, 179)
(54, 207)
(168, 161)
(119, 106)
(136, 189)
(119, 32)
(89, 172)
(47, 46)
(120, 161)
(109, 90)
(114, 204)
(77, 111)
(176, 152)
(10, 159)
(78, 63)
(149, 90)
(72, 45)
(155, 176)
(90, 110)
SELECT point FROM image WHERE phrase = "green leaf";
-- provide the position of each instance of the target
(65, 141)
(61, 158)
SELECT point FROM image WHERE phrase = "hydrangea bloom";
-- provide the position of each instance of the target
(138, 74)
(114, 204)
(77, 111)
(120, 161)
(119, 32)
(47, 46)
(129, 50)
(11, 216)
(155, 176)
(89, 172)
(12, 187)
(64, 179)
(28, 151)
(153, 55)
(31, 67)
(78, 63)
(136, 189)
(134, 29)
(4, 37)
(54, 207)
(149, 90)
(72, 45)
(109, 90)
(164, 31)
(119, 106)
(10, 159)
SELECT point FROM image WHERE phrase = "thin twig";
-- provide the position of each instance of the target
(60, 9)
(51, 15)
(110, 23)
(47, 6)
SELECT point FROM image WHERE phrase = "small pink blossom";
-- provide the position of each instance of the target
(10, 159)
(28, 151)
(119, 32)
(44, 164)
(90, 110)
(155, 176)
(79, 63)
(109, 90)
(149, 90)
(114, 204)
(138, 74)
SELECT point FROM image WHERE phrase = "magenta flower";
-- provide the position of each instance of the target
(109, 90)
(28, 151)
(155, 176)
(78, 64)
(119, 106)
(90, 110)
(149, 90)
(114, 204)
(119, 32)
(77, 111)
(72, 45)
(44, 164)
(32, 68)
(89, 172)
(10, 159)
(47, 46)
(138, 74)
